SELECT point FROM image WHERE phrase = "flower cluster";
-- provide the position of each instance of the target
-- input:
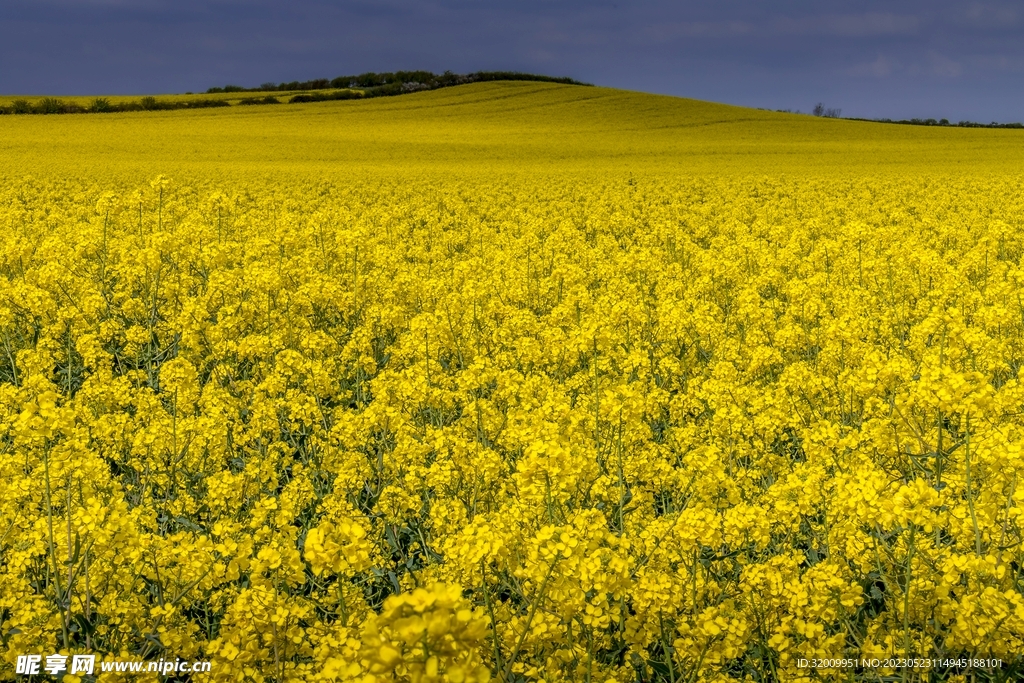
(538, 429)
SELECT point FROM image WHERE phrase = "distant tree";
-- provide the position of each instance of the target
(370, 79)
(829, 112)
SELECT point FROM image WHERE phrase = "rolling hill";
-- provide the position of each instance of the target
(513, 126)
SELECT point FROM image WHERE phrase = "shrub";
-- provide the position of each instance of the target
(269, 99)
(50, 105)
(101, 104)
(323, 97)
(21, 107)
(196, 104)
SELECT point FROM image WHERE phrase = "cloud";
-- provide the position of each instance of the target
(147, 5)
(743, 51)
(932, 64)
(670, 31)
(943, 67)
(879, 68)
(866, 25)
(997, 63)
(854, 26)
(992, 15)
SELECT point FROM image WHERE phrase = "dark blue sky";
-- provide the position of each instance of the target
(958, 60)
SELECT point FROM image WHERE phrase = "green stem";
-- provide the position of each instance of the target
(53, 553)
(529, 617)
(970, 495)
(906, 600)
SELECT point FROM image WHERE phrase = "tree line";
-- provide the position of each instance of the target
(413, 80)
(100, 105)
(365, 85)
(828, 112)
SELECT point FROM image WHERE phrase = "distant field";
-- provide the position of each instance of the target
(516, 382)
(506, 127)
(230, 97)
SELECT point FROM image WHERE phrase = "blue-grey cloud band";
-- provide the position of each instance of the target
(873, 59)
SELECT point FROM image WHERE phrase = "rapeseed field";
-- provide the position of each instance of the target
(512, 382)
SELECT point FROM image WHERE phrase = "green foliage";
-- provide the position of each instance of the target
(366, 85)
(324, 96)
(53, 105)
(412, 80)
(49, 105)
(269, 99)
